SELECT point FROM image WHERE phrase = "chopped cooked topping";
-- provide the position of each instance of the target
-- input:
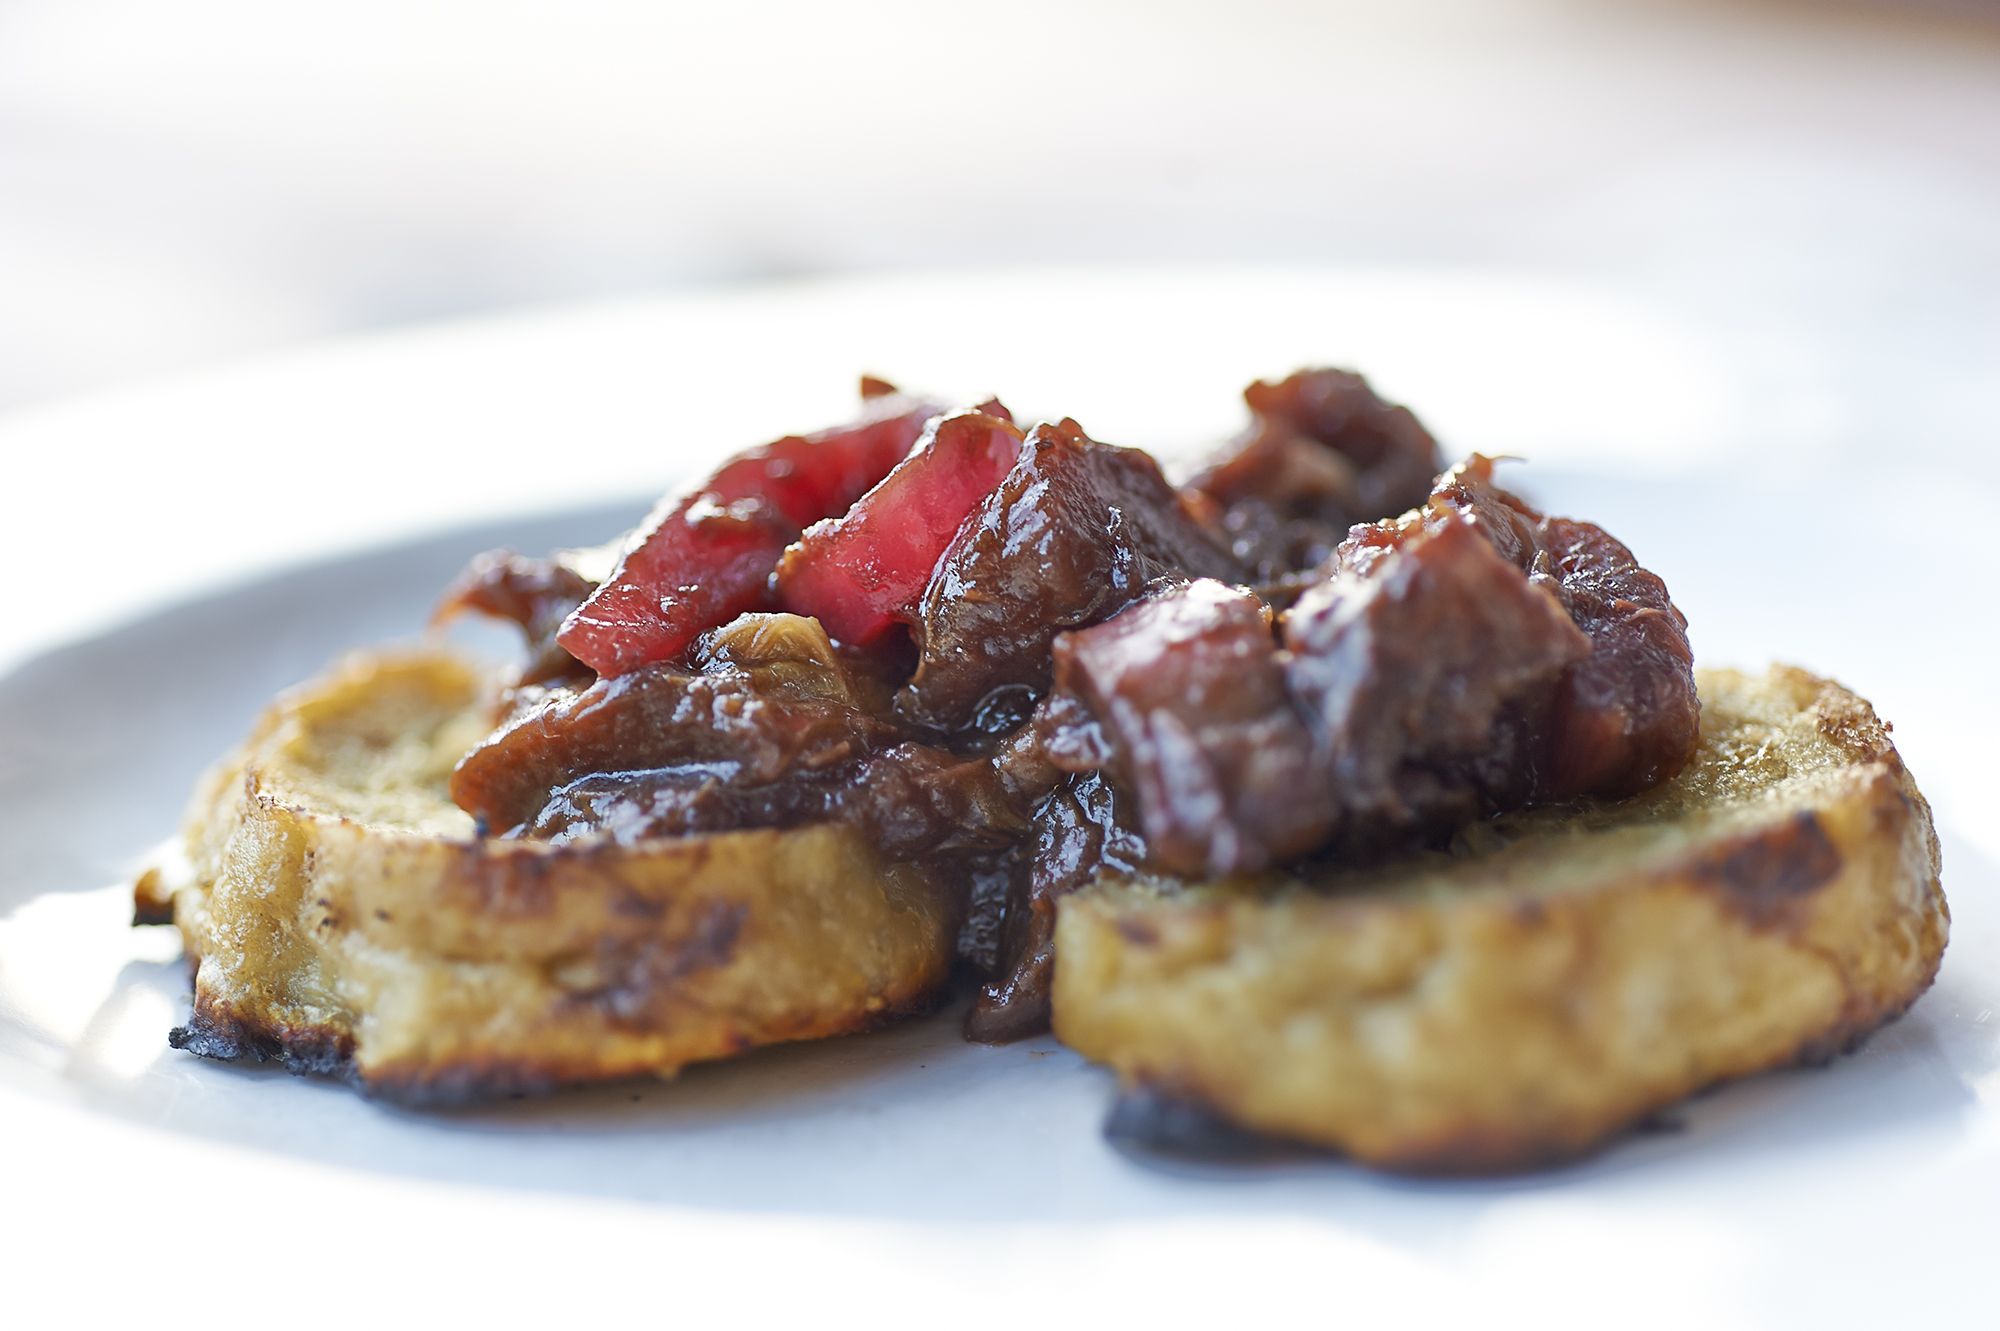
(706, 555)
(1028, 661)
(672, 746)
(1426, 676)
(1075, 532)
(862, 573)
(1190, 714)
(1469, 658)
(1627, 716)
(1322, 453)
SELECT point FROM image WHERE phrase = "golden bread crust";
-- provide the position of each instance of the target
(1559, 975)
(344, 919)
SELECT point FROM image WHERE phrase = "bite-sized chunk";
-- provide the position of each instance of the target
(655, 743)
(659, 750)
(1427, 674)
(1192, 716)
(1075, 532)
(705, 555)
(1627, 716)
(862, 573)
(1322, 453)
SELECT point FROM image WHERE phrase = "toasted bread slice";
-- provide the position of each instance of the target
(1558, 976)
(345, 920)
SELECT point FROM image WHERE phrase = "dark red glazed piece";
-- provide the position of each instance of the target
(706, 555)
(862, 573)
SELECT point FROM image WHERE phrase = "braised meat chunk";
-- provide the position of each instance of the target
(757, 737)
(1428, 675)
(1322, 453)
(1627, 716)
(1191, 714)
(1076, 531)
(661, 752)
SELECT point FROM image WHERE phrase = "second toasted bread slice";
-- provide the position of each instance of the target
(1556, 977)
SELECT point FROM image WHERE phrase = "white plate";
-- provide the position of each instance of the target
(969, 1180)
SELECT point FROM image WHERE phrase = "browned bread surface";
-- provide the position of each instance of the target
(1555, 978)
(344, 919)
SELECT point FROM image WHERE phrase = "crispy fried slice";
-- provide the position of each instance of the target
(1556, 978)
(345, 921)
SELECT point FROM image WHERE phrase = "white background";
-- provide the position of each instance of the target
(187, 182)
